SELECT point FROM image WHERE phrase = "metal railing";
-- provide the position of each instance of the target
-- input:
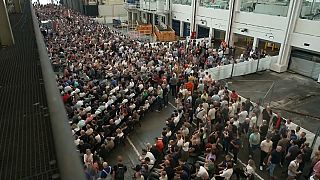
(68, 158)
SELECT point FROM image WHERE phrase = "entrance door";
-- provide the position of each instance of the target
(305, 63)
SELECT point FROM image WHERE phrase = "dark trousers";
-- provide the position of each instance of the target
(225, 145)
(240, 173)
(263, 156)
(165, 99)
(173, 89)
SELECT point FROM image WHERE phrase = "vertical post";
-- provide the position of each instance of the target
(258, 62)
(181, 29)
(6, 36)
(255, 43)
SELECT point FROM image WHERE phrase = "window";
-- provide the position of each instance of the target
(310, 10)
(270, 7)
(183, 2)
(216, 4)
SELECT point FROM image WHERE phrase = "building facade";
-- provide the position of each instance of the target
(294, 25)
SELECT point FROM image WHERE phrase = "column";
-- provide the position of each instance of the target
(281, 65)
(153, 19)
(181, 28)
(17, 6)
(166, 20)
(129, 17)
(255, 43)
(132, 18)
(211, 36)
(194, 6)
(6, 36)
(233, 7)
(211, 33)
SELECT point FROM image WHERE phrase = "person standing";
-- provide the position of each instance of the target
(247, 172)
(173, 85)
(254, 142)
(274, 160)
(119, 170)
(266, 148)
(236, 145)
(293, 168)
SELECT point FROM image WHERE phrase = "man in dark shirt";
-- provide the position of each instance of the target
(263, 130)
(274, 160)
(119, 170)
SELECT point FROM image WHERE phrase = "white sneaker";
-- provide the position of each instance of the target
(261, 168)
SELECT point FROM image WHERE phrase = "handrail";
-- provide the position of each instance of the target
(68, 159)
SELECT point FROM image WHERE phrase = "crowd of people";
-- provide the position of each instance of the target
(110, 81)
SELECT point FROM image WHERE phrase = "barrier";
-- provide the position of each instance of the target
(242, 68)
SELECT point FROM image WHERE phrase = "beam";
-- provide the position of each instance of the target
(6, 36)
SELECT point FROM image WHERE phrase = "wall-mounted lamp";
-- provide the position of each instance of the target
(270, 35)
(244, 30)
(203, 21)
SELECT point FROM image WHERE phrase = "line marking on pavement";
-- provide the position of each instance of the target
(172, 105)
(131, 160)
(134, 148)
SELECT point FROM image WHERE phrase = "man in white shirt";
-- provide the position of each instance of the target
(226, 173)
(293, 167)
(212, 113)
(242, 118)
(148, 154)
(201, 172)
(290, 126)
(266, 148)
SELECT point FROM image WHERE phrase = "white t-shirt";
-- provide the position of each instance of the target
(203, 173)
(266, 146)
(294, 165)
(242, 116)
(212, 113)
(290, 126)
(249, 170)
(253, 121)
(227, 173)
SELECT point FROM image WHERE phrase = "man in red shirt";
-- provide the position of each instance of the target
(234, 96)
(66, 97)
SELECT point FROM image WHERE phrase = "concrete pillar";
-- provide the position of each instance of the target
(233, 7)
(211, 33)
(282, 62)
(166, 20)
(17, 6)
(181, 28)
(6, 36)
(153, 19)
(194, 7)
(129, 17)
(132, 17)
(255, 43)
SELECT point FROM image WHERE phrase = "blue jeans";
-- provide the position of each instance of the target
(271, 168)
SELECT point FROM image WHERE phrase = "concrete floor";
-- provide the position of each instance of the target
(293, 96)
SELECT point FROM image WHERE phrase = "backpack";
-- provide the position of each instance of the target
(105, 172)
(120, 172)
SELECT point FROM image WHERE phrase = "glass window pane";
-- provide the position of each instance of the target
(310, 10)
(183, 2)
(270, 7)
(217, 4)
